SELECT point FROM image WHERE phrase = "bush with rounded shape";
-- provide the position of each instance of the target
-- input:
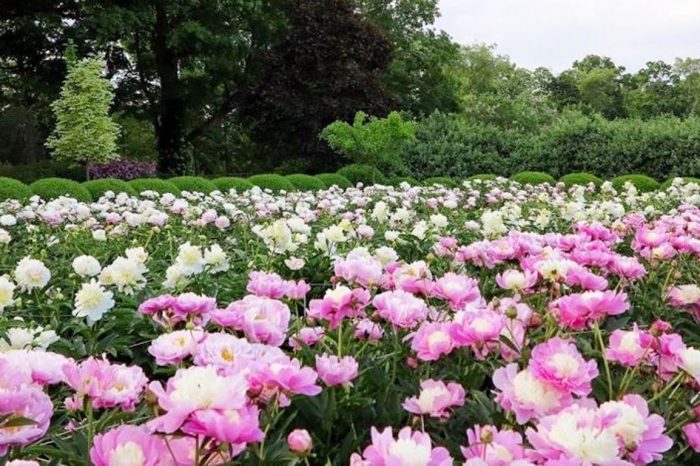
(643, 183)
(365, 174)
(688, 179)
(483, 177)
(13, 189)
(154, 184)
(227, 183)
(442, 180)
(533, 178)
(306, 182)
(97, 188)
(582, 179)
(333, 179)
(272, 182)
(52, 188)
(397, 180)
(193, 184)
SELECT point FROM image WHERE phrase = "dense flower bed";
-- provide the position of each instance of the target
(489, 324)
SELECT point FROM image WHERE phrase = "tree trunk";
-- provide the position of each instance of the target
(172, 156)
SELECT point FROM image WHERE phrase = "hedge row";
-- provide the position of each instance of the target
(51, 188)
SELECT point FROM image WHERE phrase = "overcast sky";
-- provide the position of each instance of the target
(554, 33)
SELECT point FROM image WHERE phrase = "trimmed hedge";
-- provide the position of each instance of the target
(13, 189)
(154, 184)
(442, 180)
(580, 179)
(483, 177)
(365, 174)
(331, 179)
(272, 182)
(667, 184)
(30, 172)
(397, 180)
(643, 183)
(306, 182)
(193, 184)
(97, 188)
(227, 183)
(533, 178)
(52, 188)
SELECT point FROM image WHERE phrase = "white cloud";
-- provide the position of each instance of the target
(554, 33)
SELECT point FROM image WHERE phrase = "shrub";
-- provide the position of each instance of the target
(227, 183)
(123, 170)
(97, 188)
(533, 178)
(30, 172)
(52, 188)
(667, 184)
(272, 182)
(193, 184)
(397, 180)
(580, 179)
(154, 184)
(483, 177)
(643, 183)
(365, 174)
(331, 179)
(443, 180)
(306, 182)
(13, 189)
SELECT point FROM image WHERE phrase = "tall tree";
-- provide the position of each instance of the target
(326, 66)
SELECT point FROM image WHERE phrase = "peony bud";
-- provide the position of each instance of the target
(299, 441)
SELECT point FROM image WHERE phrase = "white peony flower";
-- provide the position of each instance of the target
(86, 266)
(92, 301)
(31, 274)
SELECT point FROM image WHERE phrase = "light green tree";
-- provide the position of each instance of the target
(84, 132)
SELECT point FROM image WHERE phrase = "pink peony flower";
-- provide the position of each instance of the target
(334, 371)
(266, 284)
(360, 269)
(299, 441)
(368, 330)
(193, 307)
(410, 448)
(516, 280)
(283, 378)
(173, 348)
(583, 278)
(28, 402)
(307, 336)
(458, 290)
(477, 328)
(128, 444)
(558, 363)
(435, 399)
(339, 303)
(262, 320)
(413, 278)
(401, 308)
(236, 426)
(629, 348)
(493, 447)
(433, 340)
(692, 435)
(579, 310)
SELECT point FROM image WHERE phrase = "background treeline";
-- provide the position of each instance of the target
(248, 86)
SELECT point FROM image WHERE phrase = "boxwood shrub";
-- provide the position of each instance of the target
(193, 184)
(52, 188)
(643, 183)
(580, 179)
(227, 183)
(272, 182)
(397, 180)
(97, 188)
(533, 178)
(306, 182)
(334, 179)
(14, 189)
(365, 174)
(443, 180)
(482, 177)
(154, 184)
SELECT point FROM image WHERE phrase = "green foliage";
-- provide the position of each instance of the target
(52, 188)
(274, 183)
(84, 130)
(483, 177)
(334, 179)
(643, 183)
(306, 182)
(397, 180)
(533, 178)
(440, 180)
(154, 184)
(580, 179)
(137, 139)
(13, 189)
(193, 184)
(28, 173)
(667, 184)
(227, 183)
(365, 174)
(97, 188)
(375, 141)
